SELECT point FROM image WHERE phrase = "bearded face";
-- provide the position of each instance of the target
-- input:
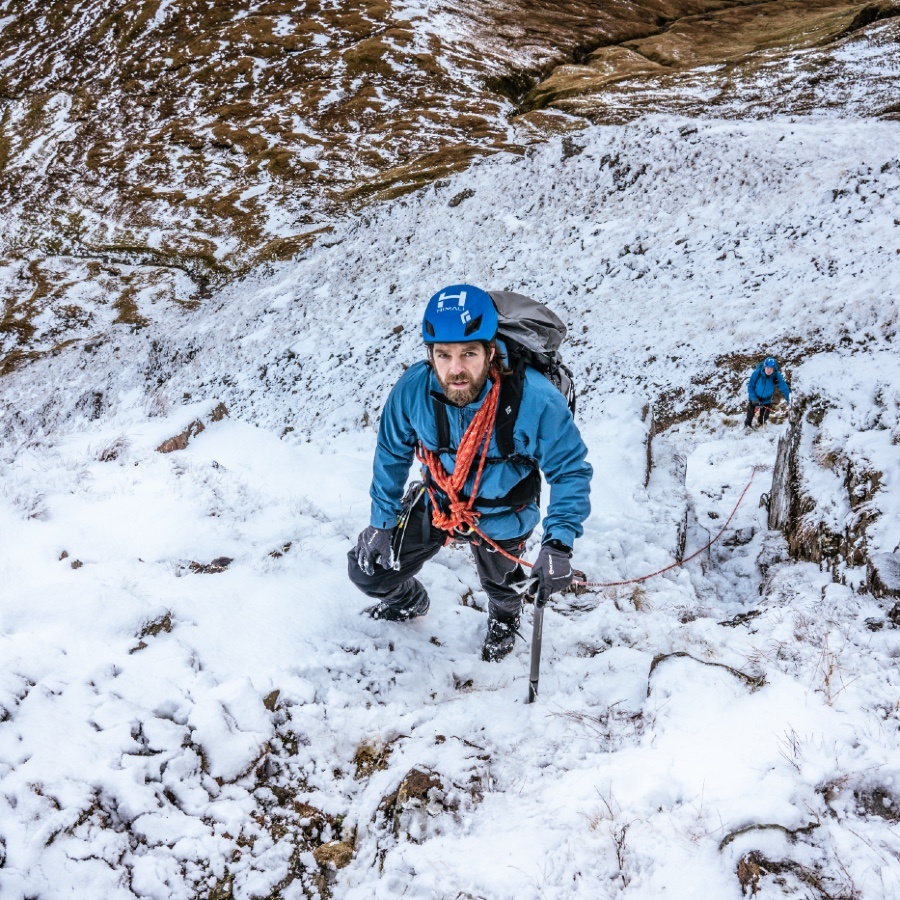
(462, 370)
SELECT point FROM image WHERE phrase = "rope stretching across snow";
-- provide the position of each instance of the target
(462, 517)
(679, 562)
(674, 565)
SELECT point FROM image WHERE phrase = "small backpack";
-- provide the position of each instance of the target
(532, 334)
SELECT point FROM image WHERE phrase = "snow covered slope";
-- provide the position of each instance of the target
(192, 705)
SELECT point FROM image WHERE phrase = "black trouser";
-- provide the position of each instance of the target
(763, 413)
(421, 541)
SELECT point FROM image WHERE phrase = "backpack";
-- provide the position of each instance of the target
(532, 334)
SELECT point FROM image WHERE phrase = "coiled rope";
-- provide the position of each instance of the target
(461, 516)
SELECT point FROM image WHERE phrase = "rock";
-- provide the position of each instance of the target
(878, 800)
(220, 411)
(427, 803)
(334, 854)
(811, 532)
(219, 564)
(370, 757)
(152, 629)
(883, 575)
(421, 794)
(773, 552)
(731, 52)
(180, 441)
(749, 872)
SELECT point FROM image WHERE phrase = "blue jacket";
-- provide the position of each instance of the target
(544, 432)
(762, 386)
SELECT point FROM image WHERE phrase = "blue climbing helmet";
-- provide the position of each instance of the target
(770, 363)
(459, 313)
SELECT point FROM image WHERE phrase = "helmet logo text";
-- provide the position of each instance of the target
(443, 304)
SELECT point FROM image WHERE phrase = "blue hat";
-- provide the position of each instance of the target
(770, 362)
(459, 313)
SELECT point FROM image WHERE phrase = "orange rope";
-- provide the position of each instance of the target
(461, 515)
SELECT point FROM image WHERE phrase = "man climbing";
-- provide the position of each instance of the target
(471, 491)
(761, 387)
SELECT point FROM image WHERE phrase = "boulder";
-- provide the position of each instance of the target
(883, 575)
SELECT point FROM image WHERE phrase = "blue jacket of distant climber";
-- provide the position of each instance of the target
(544, 433)
(761, 387)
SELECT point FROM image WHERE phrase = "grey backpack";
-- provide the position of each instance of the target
(533, 334)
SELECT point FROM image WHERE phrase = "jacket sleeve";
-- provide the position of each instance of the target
(751, 386)
(394, 454)
(782, 384)
(562, 457)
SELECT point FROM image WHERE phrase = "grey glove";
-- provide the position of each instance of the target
(553, 569)
(373, 548)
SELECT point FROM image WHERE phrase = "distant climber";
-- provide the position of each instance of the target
(473, 491)
(761, 387)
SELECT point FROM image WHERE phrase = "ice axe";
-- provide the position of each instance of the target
(534, 588)
(537, 631)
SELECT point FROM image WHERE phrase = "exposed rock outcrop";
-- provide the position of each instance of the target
(734, 52)
(182, 439)
(883, 575)
(828, 487)
(419, 807)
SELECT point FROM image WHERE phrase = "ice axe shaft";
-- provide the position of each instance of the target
(536, 635)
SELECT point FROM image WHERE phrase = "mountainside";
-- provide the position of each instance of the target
(213, 135)
(789, 242)
(181, 622)
(151, 152)
(191, 703)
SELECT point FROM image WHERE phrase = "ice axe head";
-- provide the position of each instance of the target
(533, 590)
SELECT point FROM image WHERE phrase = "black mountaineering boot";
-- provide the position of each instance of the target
(500, 638)
(412, 602)
(387, 613)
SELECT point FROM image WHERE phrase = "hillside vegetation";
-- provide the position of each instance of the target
(156, 150)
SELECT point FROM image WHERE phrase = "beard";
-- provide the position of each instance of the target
(465, 395)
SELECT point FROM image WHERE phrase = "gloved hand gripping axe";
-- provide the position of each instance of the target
(552, 571)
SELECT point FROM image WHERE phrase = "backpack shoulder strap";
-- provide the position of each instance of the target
(442, 421)
(508, 408)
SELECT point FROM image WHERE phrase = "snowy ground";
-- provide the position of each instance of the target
(683, 725)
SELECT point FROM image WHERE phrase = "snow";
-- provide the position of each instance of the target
(164, 731)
